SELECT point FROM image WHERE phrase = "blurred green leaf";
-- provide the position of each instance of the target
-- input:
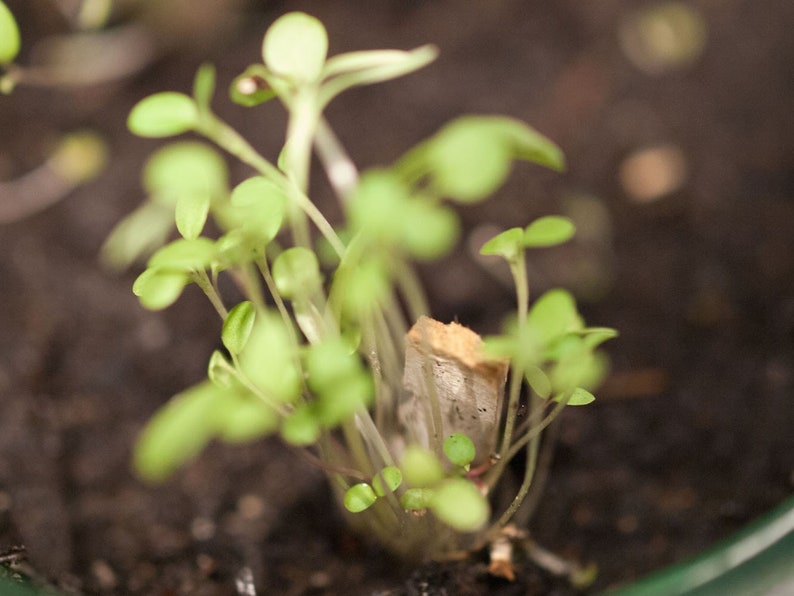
(245, 417)
(297, 273)
(421, 467)
(554, 314)
(184, 168)
(178, 431)
(163, 115)
(548, 231)
(459, 503)
(301, 428)
(185, 255)
(158, 288)
(295, 47)
(137, 235)
(220, 370)
(9, 35)
(416, 498)
(269, 359)
(387, 481)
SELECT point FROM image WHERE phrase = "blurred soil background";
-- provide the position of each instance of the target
(677, 125)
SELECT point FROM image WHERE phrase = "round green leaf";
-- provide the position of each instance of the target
(257, 207)
(459, 503)
(158, 289)
(178, 431)
(191, 214)
(295, 47)
(297, 273)
(421, 467)
(331, 363)
(163, 115)
(416, 498)
(507, 244)
(459, 449)
(359, 497)
(387, 481)
(185, 255)
(9, 35)
(548, 231)
(301, 428)
(237, 327)
(137, 235)
(431, 230)
(184, 168)
(467, 160)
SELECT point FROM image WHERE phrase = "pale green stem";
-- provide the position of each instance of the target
(203, 281)
(339, 167)
(536, 430)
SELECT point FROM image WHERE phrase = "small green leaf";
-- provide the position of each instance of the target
(256, 208)
(238, 326)
(177, 432)
(507, 244)
(204, 87)
(359, 497)
(219, 370)
(191, 214)
(432, 232)
(184, 167)
(137, 235)
(415, 499)
(528, 144)
(295, 47)
(9, 35)
(387, 481)
(595, 336)
(251, 88)
(539, 381)
(421, 467)
(581, 397)
(163, 115)
(554, 314)
(185, 255)
(459, 503)
(297, 273)
(158, 289)
(344, 71)
(301, 428)
(548, 231)
(459, 449)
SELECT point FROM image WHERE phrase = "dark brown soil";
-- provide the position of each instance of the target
(691, 438)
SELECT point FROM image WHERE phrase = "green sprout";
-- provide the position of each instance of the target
(315, 351)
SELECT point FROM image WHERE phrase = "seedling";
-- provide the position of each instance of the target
(409, 426)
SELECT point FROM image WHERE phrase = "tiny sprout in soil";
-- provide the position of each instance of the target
(413, 421)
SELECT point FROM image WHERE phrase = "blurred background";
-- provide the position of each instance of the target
(675, 118)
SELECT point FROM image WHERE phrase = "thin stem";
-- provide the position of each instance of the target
(202, 280)
(536, 430)
(529, 472)
(339, 167)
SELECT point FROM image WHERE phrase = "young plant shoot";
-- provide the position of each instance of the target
(331, 347)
